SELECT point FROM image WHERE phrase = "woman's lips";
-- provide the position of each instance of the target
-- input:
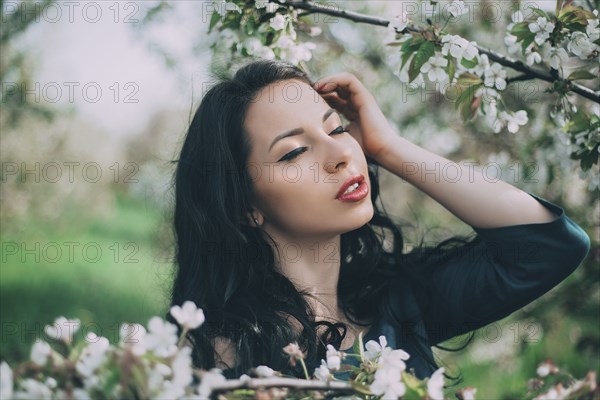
(360, 193)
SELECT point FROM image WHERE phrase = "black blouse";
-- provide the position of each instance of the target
(507, 269)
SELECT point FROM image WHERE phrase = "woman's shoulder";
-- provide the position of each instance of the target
(225, 352)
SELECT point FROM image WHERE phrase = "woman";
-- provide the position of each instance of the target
(279, 238)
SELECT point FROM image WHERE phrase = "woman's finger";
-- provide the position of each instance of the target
(346, 84)
(341, 105)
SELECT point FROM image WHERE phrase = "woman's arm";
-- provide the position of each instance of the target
(464, 190)
(478, 200)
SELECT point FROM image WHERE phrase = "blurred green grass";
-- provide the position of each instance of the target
(128, 282)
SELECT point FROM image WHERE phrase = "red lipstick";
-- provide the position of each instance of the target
(358, 189)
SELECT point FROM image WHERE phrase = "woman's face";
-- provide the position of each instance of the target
(297, 178)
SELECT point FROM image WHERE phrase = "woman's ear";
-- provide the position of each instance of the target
(255, 218)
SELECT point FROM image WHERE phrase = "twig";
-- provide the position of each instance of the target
(256, 383)
(519, 78)
(519, 66)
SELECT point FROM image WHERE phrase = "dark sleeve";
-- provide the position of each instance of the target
(507, 268)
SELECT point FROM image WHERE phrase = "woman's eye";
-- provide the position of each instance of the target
(338, 130)
(293, 154)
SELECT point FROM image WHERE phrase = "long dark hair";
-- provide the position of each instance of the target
(227, 268)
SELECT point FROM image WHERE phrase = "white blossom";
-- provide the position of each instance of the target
(592, 29)
(459, 47)
(495, 76)
(63, 329)
(265, 52)
(435, 385)
(511, 43)
(132, 336)
(40, 351)
(264, 372)
(252, 45)
(180, 376)
(157, 375)
(495, 119)
(6, 381)
(533, 57)
(545, 368)
(210, 379)
(92, 356)
(277, 22)
(268, 6)
(32, 389)
(542, 29)
(182, 367)
(517, 17)
(468, 393)
(434, 68)
(315, 31)
(334, 358)
(581, 45)
(161, 337)
(483, 65)
(555, 56)
(388, 382)
(290, 51)
(457, 8)
(373, 349)
(50, 382)
(293, 350)
(487, 94)
(322, 373)
(385, 355)
(228, 38)
(514, 121)
(189, 316)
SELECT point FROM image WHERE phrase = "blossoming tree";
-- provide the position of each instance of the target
(559, 48)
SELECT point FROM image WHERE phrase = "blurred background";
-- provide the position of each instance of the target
(96, 99)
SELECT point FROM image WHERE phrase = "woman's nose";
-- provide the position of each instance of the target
(338, 156)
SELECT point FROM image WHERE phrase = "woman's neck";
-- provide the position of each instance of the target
(312, 266)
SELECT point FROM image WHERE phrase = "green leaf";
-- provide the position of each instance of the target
(575, 27)
(579, 122)
(520, 30)
(409, 47)
(469, 107)
(405, 57)
(541, 13)
(359, 387)
(451, 69)
(213, 21)
(412, 44)
(469, 63)
(572, 12)
(469, 79)
(527, 40)
(425, 52)
(581, 74)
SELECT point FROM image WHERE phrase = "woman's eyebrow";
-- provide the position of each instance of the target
(298, 131)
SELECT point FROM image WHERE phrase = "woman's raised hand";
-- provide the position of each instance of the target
(346, 94)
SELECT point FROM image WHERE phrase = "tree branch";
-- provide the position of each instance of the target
(519, 78)
(279, 382)
(492, 55)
